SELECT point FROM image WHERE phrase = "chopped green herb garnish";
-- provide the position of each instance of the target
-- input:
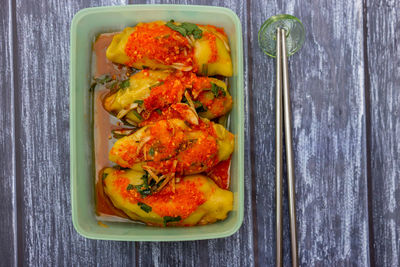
(168, 219)
(144, 189)
(215, 89)
(130, 187)
(151, 151)
(113, 87)
(104, 79)
(199, 106)
(197, 103)
(197, 34)
(181, 30)
(201, 109)
(192, 29)
(144, 192)
(104, 176)
(124, 84)
(186, 28)
(140, 102)
(144, 207)
(159, 111)
(166, 36)
(137, 114)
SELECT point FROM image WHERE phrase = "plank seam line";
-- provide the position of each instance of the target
(18, 201)
(367, 108)
(137, 253)
(251, 128)
(11, 24)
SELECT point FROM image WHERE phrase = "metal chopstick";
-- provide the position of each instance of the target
(289, 150)
(279, 148)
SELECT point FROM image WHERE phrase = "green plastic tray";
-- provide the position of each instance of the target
(88, 23)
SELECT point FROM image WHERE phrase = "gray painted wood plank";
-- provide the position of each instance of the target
(236, 250)
(47, 237)
(8, 230)
(383, 42)
(327, 92)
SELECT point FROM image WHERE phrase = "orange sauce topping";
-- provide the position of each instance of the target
(175, 111)
(199, 84)
(182, 203)
(170, 149)
(192, 155)
(213, 46)
(215, 105)
(160, 43)
(199, 155)
(220, 173)
(169, 92)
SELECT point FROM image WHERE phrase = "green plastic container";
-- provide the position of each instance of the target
(90, 22)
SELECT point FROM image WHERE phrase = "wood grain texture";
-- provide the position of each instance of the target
(383, 42)
(8, 229)
(46, 236)
(327, 92)
(348, 51)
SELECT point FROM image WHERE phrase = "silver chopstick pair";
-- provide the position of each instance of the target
(284, 117)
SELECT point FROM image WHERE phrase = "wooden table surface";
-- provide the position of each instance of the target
(345, 86)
